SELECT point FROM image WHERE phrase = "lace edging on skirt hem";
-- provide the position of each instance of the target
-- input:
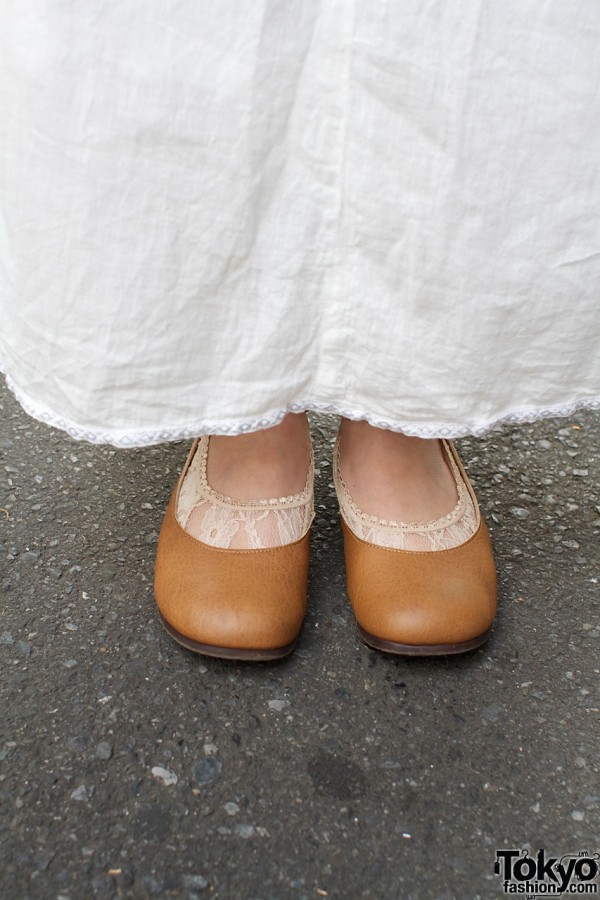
(147, 438)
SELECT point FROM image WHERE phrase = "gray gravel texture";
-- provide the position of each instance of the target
(133, 768)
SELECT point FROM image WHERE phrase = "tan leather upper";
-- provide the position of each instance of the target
(423, 597)
(243, 599)
(413, 597)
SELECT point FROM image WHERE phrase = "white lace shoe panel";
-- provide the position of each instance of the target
(228, 523)
(441, 534)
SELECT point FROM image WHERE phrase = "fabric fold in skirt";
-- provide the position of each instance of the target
(212, 213)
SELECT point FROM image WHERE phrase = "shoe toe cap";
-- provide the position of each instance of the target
(422, 598)
(234, 599)
(237, 621)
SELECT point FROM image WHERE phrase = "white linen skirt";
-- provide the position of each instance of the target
(216, 212)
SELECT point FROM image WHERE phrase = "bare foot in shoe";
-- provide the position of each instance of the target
(262, 464)
(393, 476)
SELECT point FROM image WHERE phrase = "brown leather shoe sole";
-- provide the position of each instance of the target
(226, 652)
(423, 649)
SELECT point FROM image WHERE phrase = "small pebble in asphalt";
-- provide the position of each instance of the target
(195, 882)
(491, 713)
(207, 770)
(278, 705)
(165, 775)
(103, 750)
(519, 512)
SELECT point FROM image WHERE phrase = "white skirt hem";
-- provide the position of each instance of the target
(146, 438)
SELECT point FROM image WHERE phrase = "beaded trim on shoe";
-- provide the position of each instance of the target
(448, 531)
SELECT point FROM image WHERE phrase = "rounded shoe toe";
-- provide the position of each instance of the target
(230, 599)
(422, 599)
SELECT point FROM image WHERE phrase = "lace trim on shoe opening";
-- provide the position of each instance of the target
(226, 522)
(448, 531)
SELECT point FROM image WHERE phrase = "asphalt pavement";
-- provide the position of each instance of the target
(130, 767)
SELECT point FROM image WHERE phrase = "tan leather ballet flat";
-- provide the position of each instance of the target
(245, 604)
(420, 602)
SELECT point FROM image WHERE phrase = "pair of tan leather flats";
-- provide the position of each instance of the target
(219, 599)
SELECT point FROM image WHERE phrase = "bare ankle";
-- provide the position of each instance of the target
(396, 476)
(266, 463)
